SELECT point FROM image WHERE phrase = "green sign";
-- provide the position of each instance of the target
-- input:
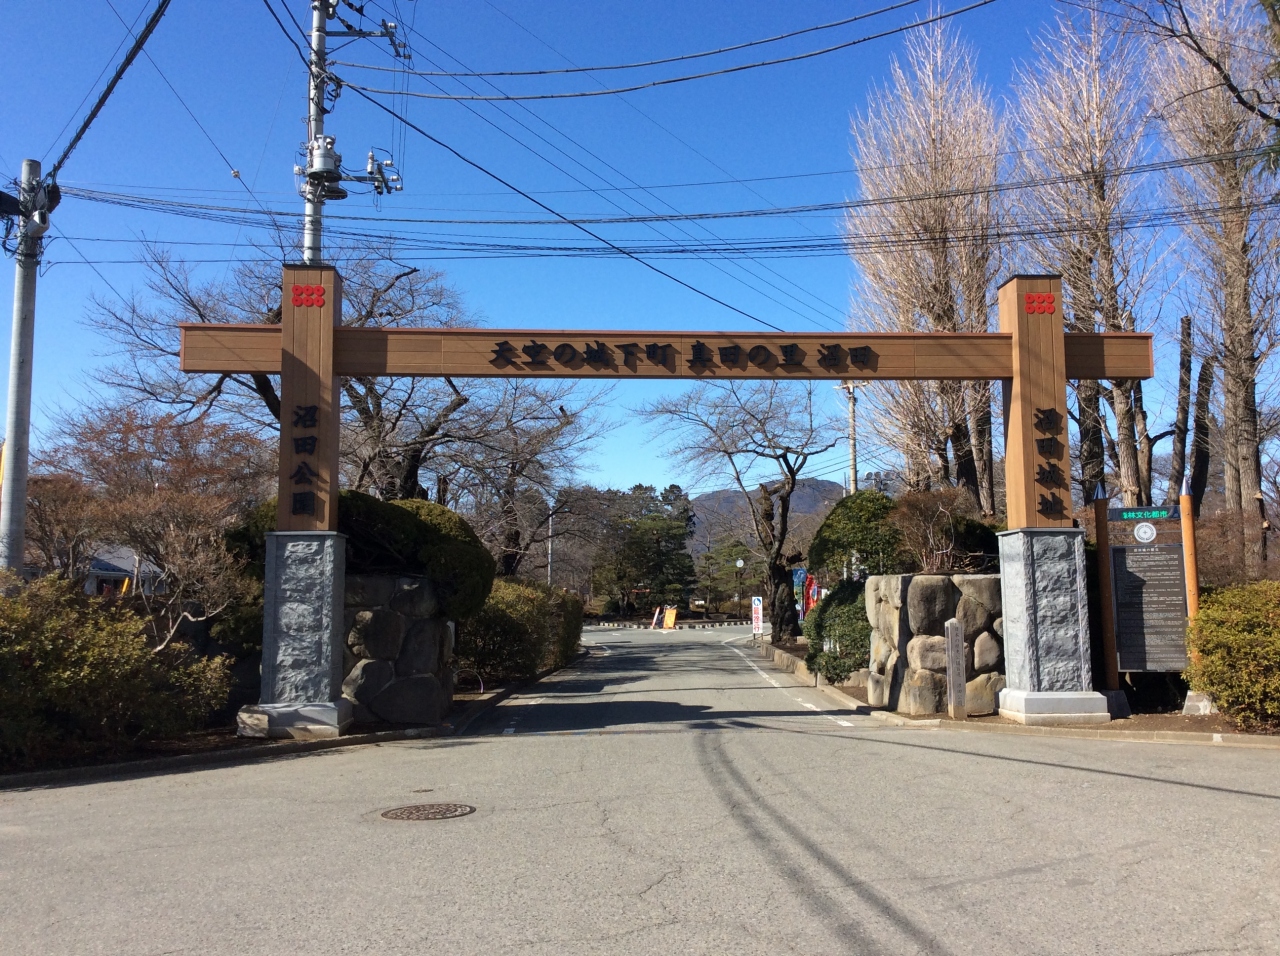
(1141, 514)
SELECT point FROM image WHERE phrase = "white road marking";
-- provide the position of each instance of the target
(752, 665)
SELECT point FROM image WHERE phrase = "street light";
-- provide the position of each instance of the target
(737, 596)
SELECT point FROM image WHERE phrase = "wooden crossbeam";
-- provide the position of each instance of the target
(479, 353)
(311, 349)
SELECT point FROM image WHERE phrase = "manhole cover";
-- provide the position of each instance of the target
(429, 811)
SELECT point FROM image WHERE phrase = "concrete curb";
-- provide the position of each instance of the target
(499, 696)
(679, 627)
(1254, 741)
(100, 772)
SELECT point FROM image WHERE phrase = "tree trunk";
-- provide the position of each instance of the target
(1092, 456)
(1126, 443)
(983, 454)
(1200, 434)
(1144, 445)
(1251, 511)
(1178, 456)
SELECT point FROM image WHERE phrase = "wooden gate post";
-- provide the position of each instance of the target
(303, 595)
(1042, 573)
(1102, 534)
(310, 308)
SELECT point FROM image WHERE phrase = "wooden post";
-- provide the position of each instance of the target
(956, 709)
(1102, 535)
(1037, 465)
(311, 306)
(1191, 567)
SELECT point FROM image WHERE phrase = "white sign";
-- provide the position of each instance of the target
(757, 615)
(1144, 532)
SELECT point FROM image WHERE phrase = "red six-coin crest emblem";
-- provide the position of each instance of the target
(308, 295)
(1040, 303)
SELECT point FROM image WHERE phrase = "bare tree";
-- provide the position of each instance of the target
(390, 424)
(759, 435)
(1203, 70)
(64, 523)
(510, 461)
(1080, 108)
(925, 154)
(168, 490)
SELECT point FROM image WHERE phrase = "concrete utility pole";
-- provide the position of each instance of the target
(323, 171)
(850, 388)
(34, 221)
(322, 162)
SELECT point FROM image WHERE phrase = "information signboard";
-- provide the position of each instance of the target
(1150, 599)
(757, 615)
(1144, 514)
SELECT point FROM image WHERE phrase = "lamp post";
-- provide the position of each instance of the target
(737, 595)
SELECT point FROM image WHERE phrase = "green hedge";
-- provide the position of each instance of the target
(841, 617)
(78, 678)
(521, 629)
(394, 537)
(1235, 653)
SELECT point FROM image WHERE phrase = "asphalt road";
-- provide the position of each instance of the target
(667, 795)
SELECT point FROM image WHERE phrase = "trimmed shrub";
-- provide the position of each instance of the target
(859, 523)
(566, 611)
(506, 639)
(840, 617)
(452, 555)
(1235, 653)
(394, 537)
(521, 629)
(79, 677)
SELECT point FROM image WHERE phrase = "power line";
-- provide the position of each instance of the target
(1136, 169)
(670, 80)
(285, 30)
(541, 205)
(761, 265)
(89, 92)
(611, 201)
(129, 57)
(235, 173)
(685, 56)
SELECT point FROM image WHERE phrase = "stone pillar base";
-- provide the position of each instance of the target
(298, 721)
(1054, 707)
(1198, 704)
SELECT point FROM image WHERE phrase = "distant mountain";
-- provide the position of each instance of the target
(721, 512)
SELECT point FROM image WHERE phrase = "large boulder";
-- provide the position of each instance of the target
(414, 597)
(376, 634)
(924, 693)
(931, 600)
(368, 590)
(986, 652)
(411, 700)
(982, 694)
(927, 653)
(420, 652)
(983, 588)
(367, 679)
(881, 649)
(974, 617)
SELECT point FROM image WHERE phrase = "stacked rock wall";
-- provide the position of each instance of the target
(398, 659)
(908, 665)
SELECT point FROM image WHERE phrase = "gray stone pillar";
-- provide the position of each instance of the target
(301, 639)
(1046, 629)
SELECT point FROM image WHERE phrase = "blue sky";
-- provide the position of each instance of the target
(237, 73)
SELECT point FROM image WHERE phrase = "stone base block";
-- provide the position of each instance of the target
(299, 721)
(1198, 704)
(1118, 704)
(1054, 707)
